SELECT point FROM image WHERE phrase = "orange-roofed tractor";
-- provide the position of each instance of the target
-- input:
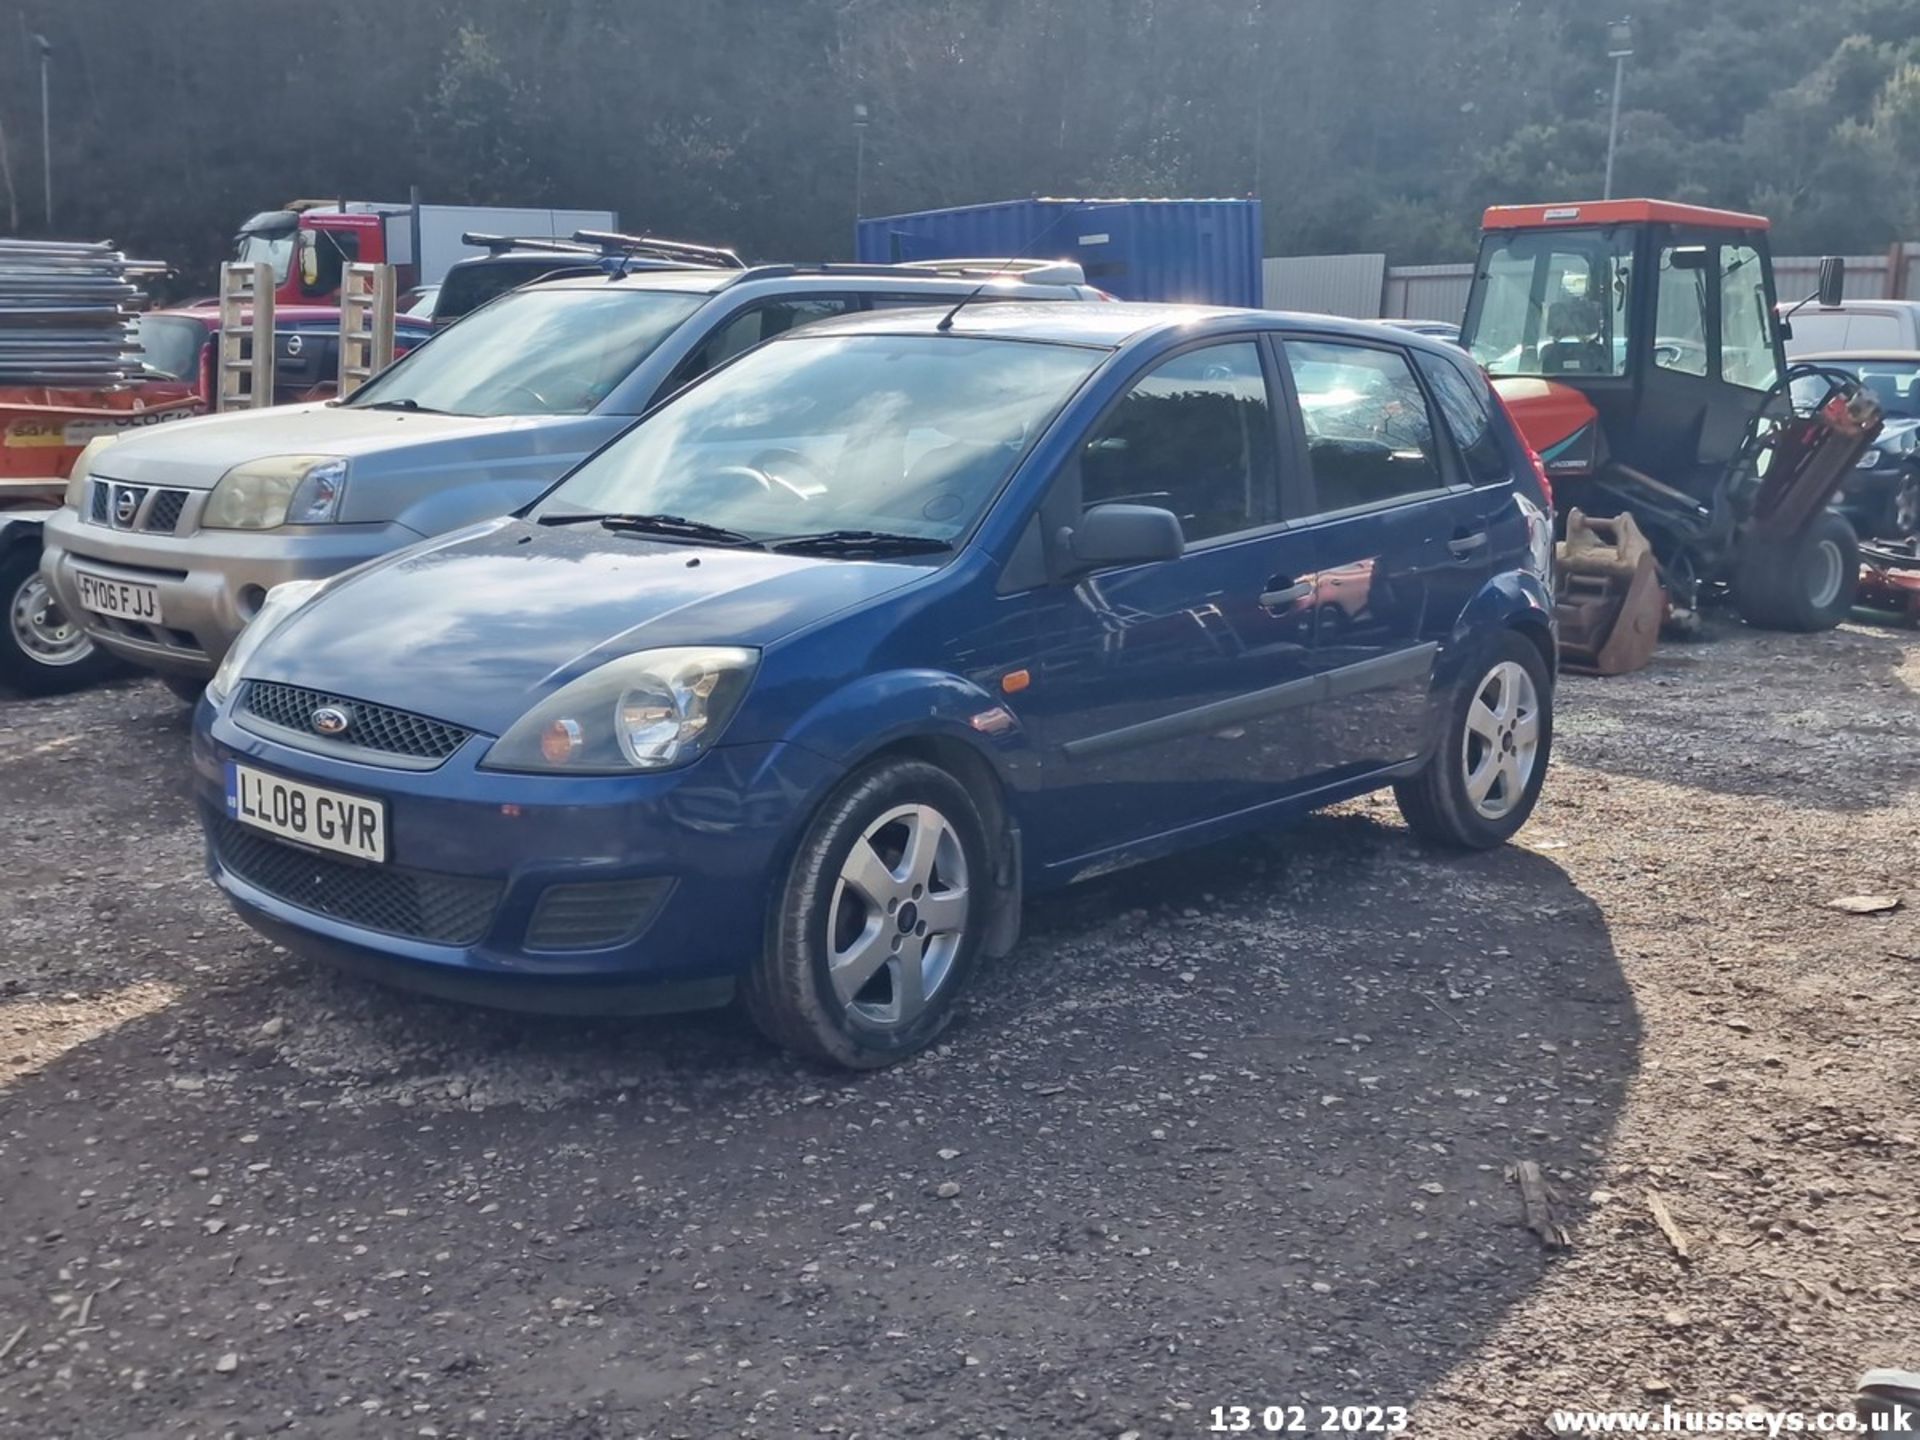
(1637, 344)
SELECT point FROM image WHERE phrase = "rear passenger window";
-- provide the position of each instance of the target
(1369, 435)
(1194, 437)
(1466, 404)
(752, 325)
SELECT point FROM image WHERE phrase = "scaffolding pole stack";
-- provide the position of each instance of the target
(66, 313)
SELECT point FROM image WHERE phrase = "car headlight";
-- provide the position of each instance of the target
(281, 604)
(82, 472)
(650, 710)
(278, 490)
(1869, 459)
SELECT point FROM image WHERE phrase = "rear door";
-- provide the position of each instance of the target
(1172, 693)
(1401, 542)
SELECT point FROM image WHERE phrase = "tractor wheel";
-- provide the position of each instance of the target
(1805, 584)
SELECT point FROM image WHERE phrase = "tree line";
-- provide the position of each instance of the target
(1362, 124)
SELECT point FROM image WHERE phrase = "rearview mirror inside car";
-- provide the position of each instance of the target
(1123, 535)
(1833, 280)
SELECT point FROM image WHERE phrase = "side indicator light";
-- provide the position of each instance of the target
(1014, 681)
(992, 722)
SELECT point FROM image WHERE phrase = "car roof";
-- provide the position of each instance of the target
(862, 279)
(1850, 303)
(1908, 357)
(1108, 325)
(208, 314)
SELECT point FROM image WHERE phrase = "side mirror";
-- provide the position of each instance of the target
(1123, 535)
(1833, 280)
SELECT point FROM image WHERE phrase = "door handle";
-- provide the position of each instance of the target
(1283, 593)
(1465, 547)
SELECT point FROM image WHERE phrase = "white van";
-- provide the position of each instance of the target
(1877, 325)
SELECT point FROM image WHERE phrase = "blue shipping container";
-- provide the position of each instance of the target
(1197, 251)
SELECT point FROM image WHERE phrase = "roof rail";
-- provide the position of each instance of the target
(616, 243)
(1034, 272)
(1049, 272)
(498, 244)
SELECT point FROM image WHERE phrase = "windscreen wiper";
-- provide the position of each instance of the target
(406, 403)
(673, 527)
(859, 542)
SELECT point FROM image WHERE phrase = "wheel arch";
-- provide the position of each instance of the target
(983, 781)
(937, 717)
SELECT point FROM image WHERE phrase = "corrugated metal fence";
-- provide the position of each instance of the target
(1365, 287)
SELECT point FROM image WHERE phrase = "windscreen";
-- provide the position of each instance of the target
(170, 345)
(912, 435)
(1552, 302)
(1894, 383)
(268, 237)
(540, 352)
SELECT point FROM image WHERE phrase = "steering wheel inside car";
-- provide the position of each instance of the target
(761, 480)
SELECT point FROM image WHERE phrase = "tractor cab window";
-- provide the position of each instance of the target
(1680, 326)
(1746, 320)
(1552, 302)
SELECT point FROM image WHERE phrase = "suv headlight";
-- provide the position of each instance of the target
(282, 603)
(82, 472)
(651, 710)
(278, 490)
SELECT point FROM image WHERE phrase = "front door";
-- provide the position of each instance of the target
(1172, 693)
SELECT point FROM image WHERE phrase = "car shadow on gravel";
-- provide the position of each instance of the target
(1229, 1129)
(1741, 712)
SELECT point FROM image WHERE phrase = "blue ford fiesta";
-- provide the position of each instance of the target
(796, 689)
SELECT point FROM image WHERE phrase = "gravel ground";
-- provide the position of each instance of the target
(1231, 1129)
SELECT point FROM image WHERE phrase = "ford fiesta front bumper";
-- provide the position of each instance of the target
(525, 891)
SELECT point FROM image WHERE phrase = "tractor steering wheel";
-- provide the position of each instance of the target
(1762, 428)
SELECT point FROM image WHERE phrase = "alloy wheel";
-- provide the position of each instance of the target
(1501, 745)
(899, 913)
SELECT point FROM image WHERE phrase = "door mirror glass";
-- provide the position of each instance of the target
(1833, 280)
(1124, 535)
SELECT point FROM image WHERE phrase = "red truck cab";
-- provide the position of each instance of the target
(310, 243)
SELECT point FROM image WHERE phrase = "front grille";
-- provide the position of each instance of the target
(412, 904)
(99, 509)
(163, 515)
(371, 727)
(592, 917)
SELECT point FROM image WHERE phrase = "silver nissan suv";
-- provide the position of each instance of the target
(171, 539)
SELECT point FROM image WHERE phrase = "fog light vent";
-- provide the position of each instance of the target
(594, 917)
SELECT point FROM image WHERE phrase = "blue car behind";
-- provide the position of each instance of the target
(798, 687)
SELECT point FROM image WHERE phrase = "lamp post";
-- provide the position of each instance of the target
(46, 122)
(1619, 47)
(859, 167)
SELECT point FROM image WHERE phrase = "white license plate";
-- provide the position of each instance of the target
(325, 819)
(123, 599)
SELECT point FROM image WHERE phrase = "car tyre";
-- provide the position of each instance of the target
(1804, 584)
(41, 651)
(1484, 778)
(879, 921)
